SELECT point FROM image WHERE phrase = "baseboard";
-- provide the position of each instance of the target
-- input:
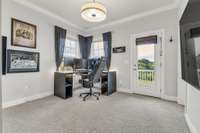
(190, 125)
(124, 90)
(165, 97)
(169, 98)
(26, 99)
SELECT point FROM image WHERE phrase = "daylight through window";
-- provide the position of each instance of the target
(97, 49)
(71, 48)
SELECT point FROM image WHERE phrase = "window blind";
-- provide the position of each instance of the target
(147, 40)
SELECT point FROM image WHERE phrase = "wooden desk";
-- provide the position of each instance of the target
(63, 84)
(108, 83)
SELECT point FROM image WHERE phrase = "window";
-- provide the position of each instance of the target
(71, 48)
(97, 49)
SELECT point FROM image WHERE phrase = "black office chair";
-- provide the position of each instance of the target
(93, 77)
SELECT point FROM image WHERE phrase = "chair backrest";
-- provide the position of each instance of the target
(96, 74)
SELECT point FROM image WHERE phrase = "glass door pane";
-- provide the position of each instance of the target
(146, 65)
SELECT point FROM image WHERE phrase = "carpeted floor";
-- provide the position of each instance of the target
(119, 113)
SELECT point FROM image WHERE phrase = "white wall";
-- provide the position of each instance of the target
(182, 86)
(21, 87)
(193, 109)
(187, 94)
(122, 37)
(182, 7)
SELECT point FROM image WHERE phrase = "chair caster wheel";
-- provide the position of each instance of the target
(84, 100)
(80, 95)
(97, 98)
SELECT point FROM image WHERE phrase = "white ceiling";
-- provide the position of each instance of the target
(117, 9)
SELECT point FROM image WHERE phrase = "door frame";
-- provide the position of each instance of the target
(162, 57)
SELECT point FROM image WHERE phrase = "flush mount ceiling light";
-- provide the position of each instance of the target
(93, 12)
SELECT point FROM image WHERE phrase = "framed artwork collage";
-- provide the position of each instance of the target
(23, 34)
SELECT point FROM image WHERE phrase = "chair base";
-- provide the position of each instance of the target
(89, 94)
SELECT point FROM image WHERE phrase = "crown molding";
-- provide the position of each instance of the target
(137, 16)
(48, 13)
(32, 6)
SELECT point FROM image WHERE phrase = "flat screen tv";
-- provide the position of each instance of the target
(190, 43)
(80, 63)
(68, 61)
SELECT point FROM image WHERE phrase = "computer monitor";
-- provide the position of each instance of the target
(80, 63)
(68, 61)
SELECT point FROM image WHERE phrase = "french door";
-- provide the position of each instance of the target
(146, 64)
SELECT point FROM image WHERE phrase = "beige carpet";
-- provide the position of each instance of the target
(119, 113)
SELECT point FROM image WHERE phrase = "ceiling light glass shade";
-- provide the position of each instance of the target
(93, 12)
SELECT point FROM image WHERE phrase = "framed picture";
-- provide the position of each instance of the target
(119, 50)
(23, 34)
(22, 61)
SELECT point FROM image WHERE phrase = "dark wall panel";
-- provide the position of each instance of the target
(4, 48)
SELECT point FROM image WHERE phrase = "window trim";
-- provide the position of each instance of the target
(92, 48)
(77, 54)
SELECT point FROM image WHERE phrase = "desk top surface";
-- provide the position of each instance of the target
(79, 70)
(65, 72)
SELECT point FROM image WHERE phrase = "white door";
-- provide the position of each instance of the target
(146, 64)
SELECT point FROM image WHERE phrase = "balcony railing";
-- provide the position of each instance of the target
(146, 75)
